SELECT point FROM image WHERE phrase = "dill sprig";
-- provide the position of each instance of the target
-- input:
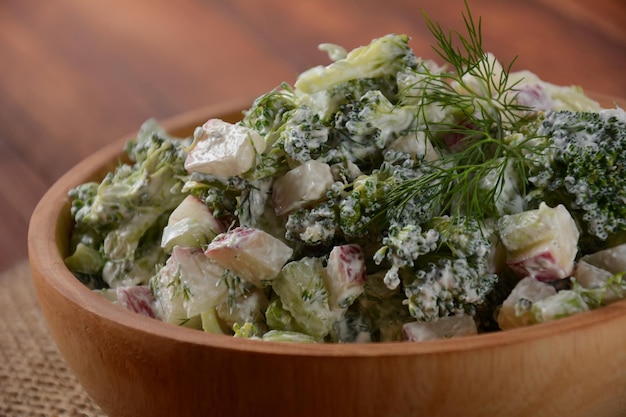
(488, 97)
(467, 180)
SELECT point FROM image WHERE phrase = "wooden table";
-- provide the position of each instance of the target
(76, 74)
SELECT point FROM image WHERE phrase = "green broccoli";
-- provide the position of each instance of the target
(583, 166)
(267, 113)
(359, 204)
(382, 310)
(303, 135)
(376, 117)
(312, 226)
(326, 103)
(364, 128)
(445, 269)
(362, 203)
(220, 195)
(122, 216)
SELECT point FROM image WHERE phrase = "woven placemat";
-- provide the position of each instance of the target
(34, 378)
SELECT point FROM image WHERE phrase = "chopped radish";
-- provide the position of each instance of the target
(611, 259)
(136, 298)
(535, 96)
(541, 263)
(595, 269)
(590, 276)
(167, 294)
(191, 224)
(188, 284)
(540, 243)
(302, 185)
(252, 254)
(515, 311)
(224, 149)
(417, 145)
(345, 275)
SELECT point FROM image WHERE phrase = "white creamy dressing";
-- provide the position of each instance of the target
(318, 291)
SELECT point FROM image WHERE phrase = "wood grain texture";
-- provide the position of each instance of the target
(75, 75)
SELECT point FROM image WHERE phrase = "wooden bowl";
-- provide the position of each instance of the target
(135, 366)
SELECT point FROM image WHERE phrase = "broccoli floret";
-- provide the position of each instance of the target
(377, 315)
(361, 150)
(401, 171)
(127, 208)
(402, 246)
(326, 103)
(304, 134)
(312, 226)
(584, 167)
(365, 127)
(267, 112)
(451, 274)
(362, 207)
(246, 331)
(219, 194)
(151, 181)
(378, 118)
(359, 204)
(305, 128)
(304, 124)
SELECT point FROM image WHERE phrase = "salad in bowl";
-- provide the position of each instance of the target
(382, 197)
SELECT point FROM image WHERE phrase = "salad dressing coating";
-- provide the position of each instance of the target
(383, 197)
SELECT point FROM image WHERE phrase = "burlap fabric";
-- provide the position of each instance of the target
(34, 379)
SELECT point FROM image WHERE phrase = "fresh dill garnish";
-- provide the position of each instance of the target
(479, 152)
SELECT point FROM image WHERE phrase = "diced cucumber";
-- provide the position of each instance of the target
(300, 286)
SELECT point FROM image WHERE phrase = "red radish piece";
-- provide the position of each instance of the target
(345, 275)
(252, 254)
(224, 149)
(138, 299)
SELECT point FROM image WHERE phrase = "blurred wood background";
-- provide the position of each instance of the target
(77, 74)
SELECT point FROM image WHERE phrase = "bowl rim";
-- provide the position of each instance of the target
(46, 261)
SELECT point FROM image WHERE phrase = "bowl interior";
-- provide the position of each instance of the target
(48, 245)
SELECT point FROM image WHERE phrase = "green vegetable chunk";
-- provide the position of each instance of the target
(300, 286)
(383, 56)
(123, 216)
(583, 166)
(382, 197)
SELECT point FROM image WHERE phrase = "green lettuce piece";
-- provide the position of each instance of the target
(383, 56)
